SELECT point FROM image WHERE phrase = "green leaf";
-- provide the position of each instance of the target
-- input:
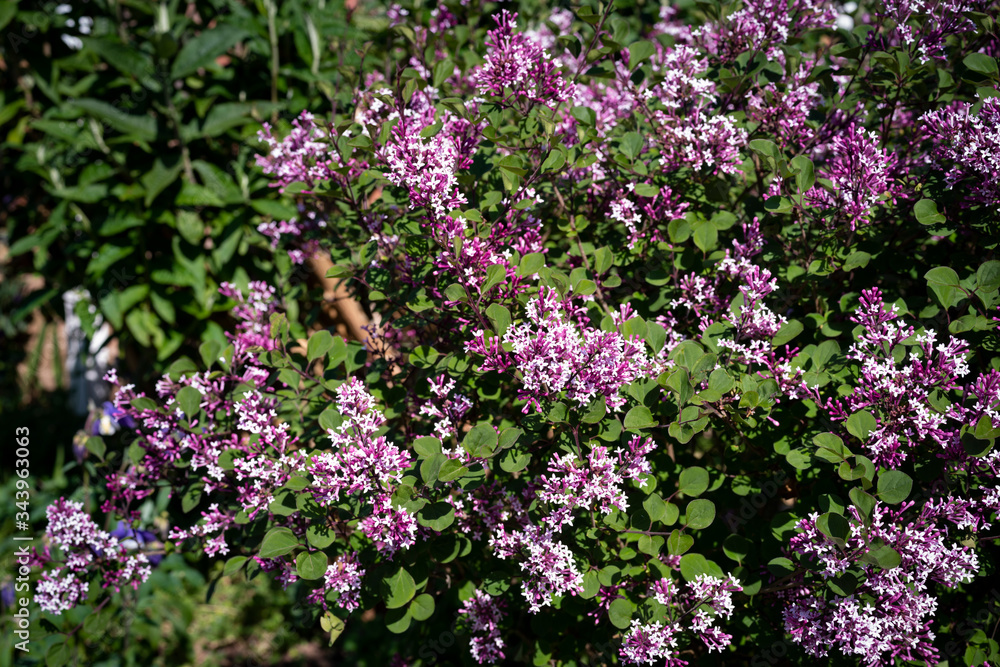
(654, 506)
(555, 161)
(191, 497)
(514, 460)
(311, 566)
(700, 514)
(319, 536)
(780, 567)
(620, 613)
(639, 51)
(398, 588)
(95, 445)
(736, 547)
(843, 584)
(706, 237)
(142, 128)
(427, 445)
(495, 274)
(530, 264)
(604, 258)
(720, 381)
(278, 542)
(202, 50)
(765, 148)
(189, 400)
(834, 526)
(805, 176)
(858, 259)
(422, 607)
(58, 654)
(981, 64)
(638, 418)
(319, 344)
(437, 516)
(945, 284)
(693, 565)
(397, 621)
(988, 276)
(481, 441)
(631, 144)
(451, 470)
(499, 317)
(679, 543)
(159, 178)
(831, 447)
(861, 424)
(788, 331)
(431, 467)
(509, 437)
(650, 544)
(693, 481)
(894, 486)
(926, 212)
(865, 502)
(882, 556)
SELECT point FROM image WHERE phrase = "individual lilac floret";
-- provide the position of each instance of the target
(482, 615)
(861, 174)
(888, 616)
(967, 147)
(517, 68)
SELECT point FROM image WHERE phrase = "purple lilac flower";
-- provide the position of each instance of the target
(87, 551)
(898, 393)
(482, 616)
(555, 354)
(889, 614)
(307, 154)
(549, 567)
(967, 147)
(518, 68)
(861, 174)
(344, 578)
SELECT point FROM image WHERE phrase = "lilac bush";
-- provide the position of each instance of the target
(624, 266)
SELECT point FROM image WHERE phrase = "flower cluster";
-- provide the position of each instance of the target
(517, 68)
(887, 614)
(898, 392)
(861, 174)
(482, 616)
(554, 353)
(967, 146)
(87, 550)
(364, 464)
(706, 599)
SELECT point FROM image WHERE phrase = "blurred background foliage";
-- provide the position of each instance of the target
(127, 142)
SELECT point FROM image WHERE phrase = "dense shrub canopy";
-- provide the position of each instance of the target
(683, 348)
